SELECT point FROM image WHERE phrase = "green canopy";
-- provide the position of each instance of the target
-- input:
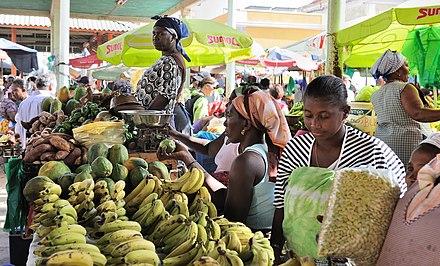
(209, 43)
(109, 72)
(366, 41)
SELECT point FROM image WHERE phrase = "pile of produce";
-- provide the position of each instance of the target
(78, 117)
(297, 109)
(45, 146)
(45, 122)
(136, 214)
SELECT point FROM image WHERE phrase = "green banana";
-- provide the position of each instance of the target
(142, 256)
(76, 228)
(119, 225)
(131, 245)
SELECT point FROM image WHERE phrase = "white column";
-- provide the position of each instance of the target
(230, 68)
(60, 13)
(333, 61)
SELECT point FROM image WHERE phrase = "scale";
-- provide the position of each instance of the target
(152, 128)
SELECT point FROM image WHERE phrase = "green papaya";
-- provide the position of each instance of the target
(118, 154)
(70, 106)
(63, 94)
(96, 150)
(159, 169)
(82, 176)
(55, 106)
(106, 91)
(45, 104)
(102, 167)
(84, 167)
(80, 91)
(53, 170)
(34, 186)
(65, 181)
(137, 175)
(168, 145)
(119, 172)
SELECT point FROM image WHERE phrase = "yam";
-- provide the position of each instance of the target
(39, 141)
(62, 135)
(60, 155)
(48, 156)
(52, 124)
(43, 120)
(42, 126)
(35, 126)
(59, 143)
(84, 155)
(35, 153)
(73, 156)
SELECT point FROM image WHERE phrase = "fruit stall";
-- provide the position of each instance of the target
(99, 196)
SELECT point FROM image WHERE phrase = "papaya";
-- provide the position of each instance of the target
(34, 186)
(102, 167)
(54, 170)
(168, 145)
(65, 181)
(63, 94)
(137, 175)
(80, 91)
(82, 176)
(119, 172)
(133, 162)
(159, 169)
(84, 167)
(70, 106)
(118, 154)
(96, 150)
(106, 91)
(55, 106)
(45, 104)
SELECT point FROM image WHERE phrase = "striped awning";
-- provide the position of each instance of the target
(75, 23)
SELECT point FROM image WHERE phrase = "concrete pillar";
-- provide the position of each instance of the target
(60, 13)
(333, 62)
(13, 39)
(230, 68)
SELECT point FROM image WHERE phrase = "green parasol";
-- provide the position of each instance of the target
(209, 43)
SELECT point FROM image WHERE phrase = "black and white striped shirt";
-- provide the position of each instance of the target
(360, 150)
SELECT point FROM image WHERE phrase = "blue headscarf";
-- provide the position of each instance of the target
(175, 27)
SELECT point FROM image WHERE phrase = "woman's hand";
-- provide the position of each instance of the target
(172, 132)
(180, 153)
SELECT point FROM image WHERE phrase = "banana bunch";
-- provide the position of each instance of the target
(53, 213)
(243, 232)
(213, 231)
(232, 241)
(259, 251)
(81, 191)
(150, 184)
(170, 198)
(207, 261)
(102, 192)
(183, 232)
(137, 257)
(43, 204)
(224, 256)
(188, 183)
(118, 197)
(67, 257)
(186, 253)
(149, 212)
(201, 204)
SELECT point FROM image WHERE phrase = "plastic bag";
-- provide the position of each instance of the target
(306, 197)
(359, 211)
(109, 133)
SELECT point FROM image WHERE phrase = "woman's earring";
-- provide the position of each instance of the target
(243, 132)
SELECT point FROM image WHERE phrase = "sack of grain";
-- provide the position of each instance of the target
(358, 214)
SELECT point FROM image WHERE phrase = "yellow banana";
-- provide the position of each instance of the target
(120, 203)
(182, 248)
(51, 188)
(200, 181)
(182, 259)
(68, 238)
(141, 212)
(179, 182)
(201, 233)
(43, 231)
(158, 186)
(64, 218)
(121, 212)
(48, 207)
(100, 185)
(75, 246)
(147, 190)
(166, 227)
(190, 231)
(214, 229)
(136, 190)
(204, 194)
(233, 258)
(107, 250)
(109, 216)
(212, 210)
(66, 229)
(119, 186)
(70, 257)
(131, 245)
(107, 206)
(261, 257)
(122, 236)
(156, 210)
(86, 185)
(119, 225)
(191, 181)
(119, 195)
(233, 242)
(205, 260)
(142, 256)
(149, 199)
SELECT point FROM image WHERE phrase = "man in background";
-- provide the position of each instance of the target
(31, 106)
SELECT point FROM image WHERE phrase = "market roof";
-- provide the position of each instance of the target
(75, 23)
(131, 10)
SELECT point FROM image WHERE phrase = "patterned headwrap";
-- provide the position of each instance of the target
(387, 64)
(175, 27)
(265, 114)
(433, 139)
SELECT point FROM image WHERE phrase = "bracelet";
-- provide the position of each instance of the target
(193, 162)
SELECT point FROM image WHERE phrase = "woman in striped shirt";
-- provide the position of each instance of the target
(329, 144)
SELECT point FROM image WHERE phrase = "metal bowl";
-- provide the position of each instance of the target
(146, 118)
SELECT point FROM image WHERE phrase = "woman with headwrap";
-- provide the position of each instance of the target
(250, 194)
(399, 106)
(161, 84)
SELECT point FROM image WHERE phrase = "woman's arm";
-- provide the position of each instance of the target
(413, 106)
(277, 237)
(241, 184)
(158, 103)
(199, 145)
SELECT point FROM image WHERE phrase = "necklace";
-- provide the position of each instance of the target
(316, 154)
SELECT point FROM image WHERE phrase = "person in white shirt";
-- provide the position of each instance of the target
(31, 106)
